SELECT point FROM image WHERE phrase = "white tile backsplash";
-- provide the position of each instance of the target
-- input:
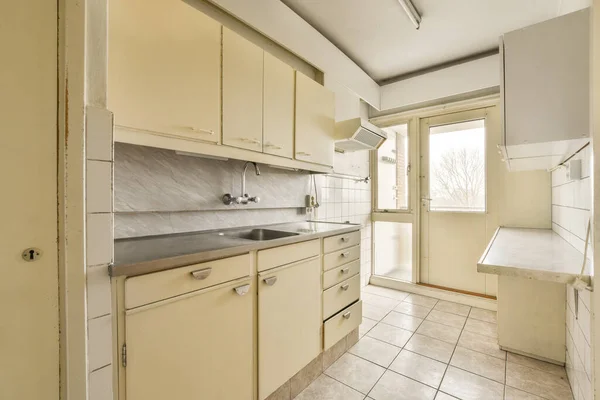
(98, 291)
(99, 128)
(99, 342)
(101, 384)
(99, 239)
(98, 186)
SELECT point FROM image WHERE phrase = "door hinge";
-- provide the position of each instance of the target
(124, 355)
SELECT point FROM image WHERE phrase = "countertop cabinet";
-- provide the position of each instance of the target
(164, 77)
(289, 322)
(315, 122)
(242, 92)
(195, 346)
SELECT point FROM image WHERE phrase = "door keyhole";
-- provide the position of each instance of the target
(31, 254)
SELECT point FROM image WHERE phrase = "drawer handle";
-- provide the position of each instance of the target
(273, 146)
(344, 270)
(345, 254)
(270, 280)
(201, 274)
(199, 130)
(345, 239)
(347, 315)
(345, 286)
(303, 153)
(242, 290)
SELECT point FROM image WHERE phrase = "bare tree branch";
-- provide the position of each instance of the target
(459, 178)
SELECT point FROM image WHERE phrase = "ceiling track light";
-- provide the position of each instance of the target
(412, 12)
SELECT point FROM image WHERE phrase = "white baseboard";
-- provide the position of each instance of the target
(467, 299)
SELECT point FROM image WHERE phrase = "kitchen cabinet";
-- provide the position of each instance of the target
(242, 92)
(197, 345)
(545, 91)
(278, 107)
(164, 77)
(315, 122)
(289, 322)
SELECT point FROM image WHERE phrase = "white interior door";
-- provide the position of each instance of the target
(453, 203)
(29, 338)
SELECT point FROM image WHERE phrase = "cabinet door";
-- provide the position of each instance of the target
(192, 347)
(242, 92)
(163, 76)
(289, 322)
(278, 109)
(315, 122)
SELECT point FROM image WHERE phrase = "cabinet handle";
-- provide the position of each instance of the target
(270, 280)
(345, 286)
(254, 141)
(303, 153)
(272, 146)
(345, 254)
(347, 314)
(201, 273)
(242, 290)
(199, 130)
(344, 270)
(345, 239)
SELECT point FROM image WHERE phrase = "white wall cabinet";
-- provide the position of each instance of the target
(164, 77)
(242, 92)
(289, 322)
(315, 122)
(545, 91)
(195, 346)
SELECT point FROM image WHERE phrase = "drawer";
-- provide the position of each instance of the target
(341, 324)
(144, 289)
(343, 241)
(282, 255)
(340, 257)
(338, 274)
(340, 295)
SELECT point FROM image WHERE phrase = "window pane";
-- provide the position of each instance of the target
(392, 243)
(392, 173)
(457, 167)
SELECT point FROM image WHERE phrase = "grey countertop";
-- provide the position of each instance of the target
(142, 255)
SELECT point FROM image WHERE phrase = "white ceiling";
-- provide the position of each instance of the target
(378, 36)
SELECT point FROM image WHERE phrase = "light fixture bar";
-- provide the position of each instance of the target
(189, 154)
(411, 11)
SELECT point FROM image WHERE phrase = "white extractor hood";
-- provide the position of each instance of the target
(358, 134)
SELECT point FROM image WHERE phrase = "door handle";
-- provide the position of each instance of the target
(270, 280)
(201, 274)
(345, 286)
(345, 254)
(347, 314)
(344, 270)
(242, 290)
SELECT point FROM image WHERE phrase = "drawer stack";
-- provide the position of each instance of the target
(342, 309)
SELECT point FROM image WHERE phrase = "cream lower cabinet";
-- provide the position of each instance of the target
(197, 345)
(289, 322)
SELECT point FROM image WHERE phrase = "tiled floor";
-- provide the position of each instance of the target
(421, 348)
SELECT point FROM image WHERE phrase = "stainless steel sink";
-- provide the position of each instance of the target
(262, 234)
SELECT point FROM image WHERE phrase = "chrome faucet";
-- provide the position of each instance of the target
(228, 199)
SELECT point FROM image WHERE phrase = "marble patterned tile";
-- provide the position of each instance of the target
(444, 396)
(481, 327)
(467, 386)
(412, 309)
(420, 368)
(536, 364)
(479, 364)
(454, 308)
(516, 394)
(376, 351)
(402, 321)
(421, 300)
(439, 331)
(281, 393)
(385, 292)
(373, 312)
(444, 318)
(355, 372)
(483, 344)
(379, 301)
(430, 347)
(365, 326)
(390, 334)
(484, 315)
(393, 386)
(326, 388)
(541, 383)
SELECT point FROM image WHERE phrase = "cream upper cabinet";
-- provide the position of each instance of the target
(289, 322)
(195, 346)
(242, 92)
(315, 122)
(278, 108)
(164, 69)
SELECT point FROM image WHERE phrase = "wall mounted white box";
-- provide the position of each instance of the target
(574, 170)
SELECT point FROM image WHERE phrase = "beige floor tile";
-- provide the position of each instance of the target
(390, 334)
(481, 343)
(376, 351)
(373, 312)
(479, 363)
(355, 372)
(412, 309)
(537, 382)
(536, 364)
(444, 318)
(468, 386)
(385, 292)
(365, 326)
(516, 394)
(393, 386)
(429, 347)
(454, 308)
(439, 331)
(481, 327)
(402, 321)
(420, 368)
(421, 300)
(379, 301)
(325, 388)
(444, 396)
(483, 315)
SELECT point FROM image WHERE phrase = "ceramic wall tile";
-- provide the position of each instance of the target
(99, 186)
(99, 239)
(101, 384)
(99, 342)
(98, 291)
(99, 134)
